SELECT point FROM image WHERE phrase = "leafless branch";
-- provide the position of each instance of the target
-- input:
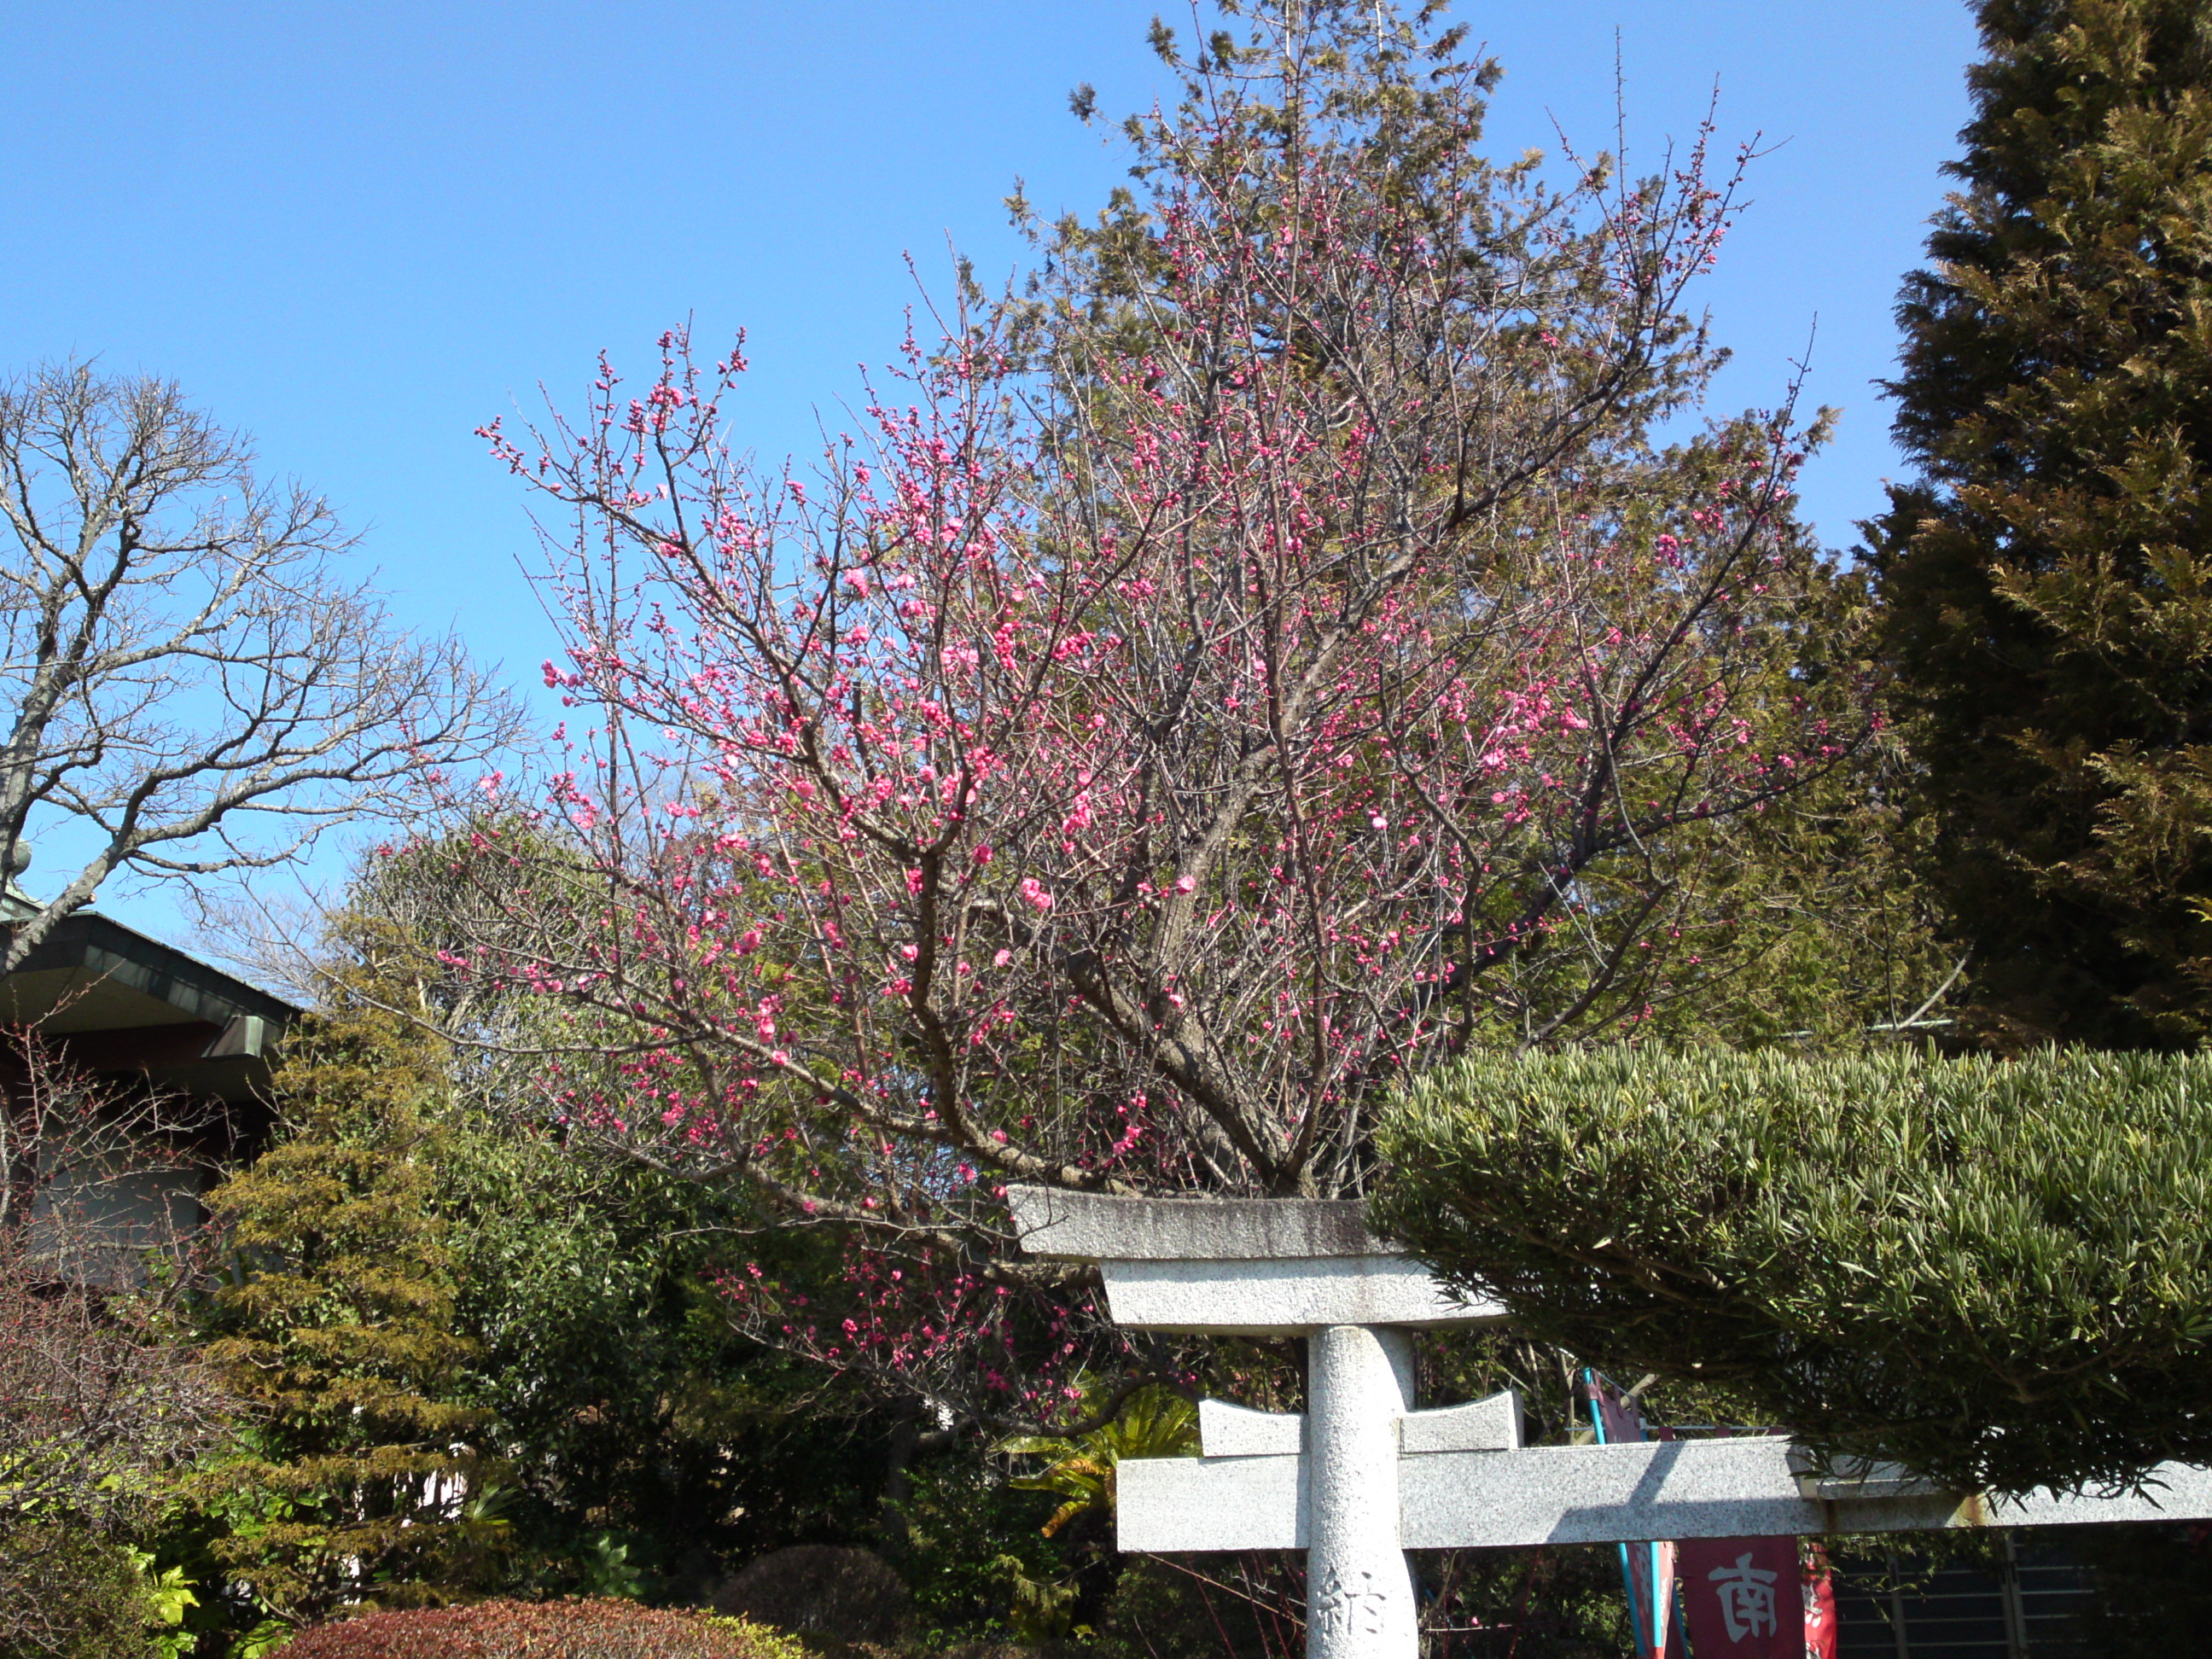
(186, 669)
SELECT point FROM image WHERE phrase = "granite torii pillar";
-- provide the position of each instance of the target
(1362, 1476)
(1326, 1482)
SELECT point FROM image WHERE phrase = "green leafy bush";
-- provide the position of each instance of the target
(543, 1630)
(1994, 1272)
(68, 1593)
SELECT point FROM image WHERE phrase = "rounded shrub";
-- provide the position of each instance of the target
(1998, 1273)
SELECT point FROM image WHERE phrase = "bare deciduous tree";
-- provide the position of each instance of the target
(193, 677)
(100, 1397)
(94, 1394)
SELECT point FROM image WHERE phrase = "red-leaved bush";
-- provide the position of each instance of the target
(600, 1629)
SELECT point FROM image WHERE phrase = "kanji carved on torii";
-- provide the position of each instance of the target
(1363, 1476)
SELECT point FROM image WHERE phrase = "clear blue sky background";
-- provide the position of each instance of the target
(359, 230)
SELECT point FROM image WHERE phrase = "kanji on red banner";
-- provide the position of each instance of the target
(1742, 1598)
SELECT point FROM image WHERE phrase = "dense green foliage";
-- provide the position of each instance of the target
(625, 1410)
(1808, 924)
(1996, 1272)
(2047, 583)
(335, 1328)
(477, 1360)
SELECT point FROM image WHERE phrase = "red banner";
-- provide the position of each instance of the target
(1819, 1605)
(1742, 1597)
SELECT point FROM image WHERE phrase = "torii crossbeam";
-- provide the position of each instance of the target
(1363, 1476)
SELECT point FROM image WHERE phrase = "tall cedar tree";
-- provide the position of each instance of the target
(2048, 580)
(337, 1324)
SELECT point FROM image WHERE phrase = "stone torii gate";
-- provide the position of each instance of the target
(1362, 1476)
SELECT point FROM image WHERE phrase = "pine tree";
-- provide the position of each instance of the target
(337, 1326)
(2048, 580)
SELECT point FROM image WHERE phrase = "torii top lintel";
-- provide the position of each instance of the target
(1247, 1266)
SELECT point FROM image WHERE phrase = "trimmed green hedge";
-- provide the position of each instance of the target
(600, 1629)
(1996, 1273)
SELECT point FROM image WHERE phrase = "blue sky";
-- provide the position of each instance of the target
(358, 231)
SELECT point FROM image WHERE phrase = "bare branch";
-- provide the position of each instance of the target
(185, 671)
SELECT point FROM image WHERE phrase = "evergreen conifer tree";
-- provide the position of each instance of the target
(337, 1326)
(2048, 580)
